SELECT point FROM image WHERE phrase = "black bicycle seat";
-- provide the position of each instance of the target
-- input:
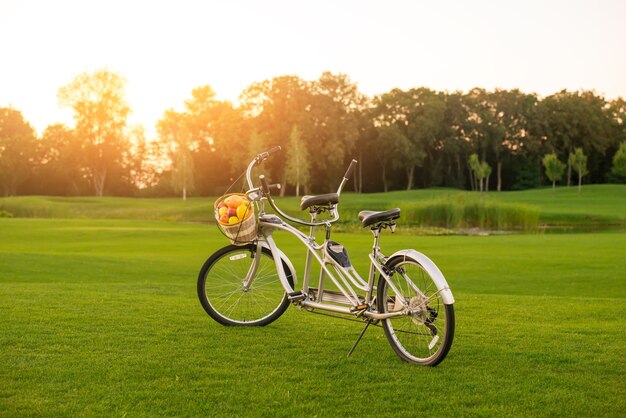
(321, 200)
(370, 217)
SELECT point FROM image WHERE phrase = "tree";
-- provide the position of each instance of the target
(217, 140)
(61, 166)
(485, 173)
(619, 161)
(326, 113)
(398, 137)
(174, 130)
(17, 150)
(332, 127)
(365, 132)
(390, 147)
(275, 106)
(578, 161)
(298, 168)
(452, 142)
(509, 131)
(401, 113)
(480, 120)
(554, 168)
(100, 112)
(426, 124)
(572, 120)
(474, 165)
(481, 171)
(145, 160)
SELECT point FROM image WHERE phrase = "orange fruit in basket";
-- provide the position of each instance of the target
(224, 219)
(233, 201)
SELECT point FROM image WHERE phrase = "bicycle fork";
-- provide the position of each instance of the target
(247, 281)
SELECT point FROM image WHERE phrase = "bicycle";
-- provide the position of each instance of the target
(252, 284)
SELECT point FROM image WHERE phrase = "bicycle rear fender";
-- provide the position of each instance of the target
(432, 269)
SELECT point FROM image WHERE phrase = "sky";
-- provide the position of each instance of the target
(164, 49)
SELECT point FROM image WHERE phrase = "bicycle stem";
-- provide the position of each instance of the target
(346, 176)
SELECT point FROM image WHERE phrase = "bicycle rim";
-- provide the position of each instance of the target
(223, 295)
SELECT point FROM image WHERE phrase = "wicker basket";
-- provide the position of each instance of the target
(242, 232)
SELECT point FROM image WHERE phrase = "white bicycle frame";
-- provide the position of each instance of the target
(346, 279)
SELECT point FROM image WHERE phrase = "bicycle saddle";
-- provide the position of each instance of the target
(321, 200)
(370, 217)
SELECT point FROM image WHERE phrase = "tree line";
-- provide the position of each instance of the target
(403, 139)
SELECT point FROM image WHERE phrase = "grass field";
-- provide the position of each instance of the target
(100, 317)
(596, 205)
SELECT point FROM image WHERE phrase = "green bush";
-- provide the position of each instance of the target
(5, 214)
(463, 212)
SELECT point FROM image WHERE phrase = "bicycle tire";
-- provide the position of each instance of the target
(222, 295)
(416, 338)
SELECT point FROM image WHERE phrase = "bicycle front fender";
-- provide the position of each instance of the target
(432, 269)
(282, 255)
(279, 257)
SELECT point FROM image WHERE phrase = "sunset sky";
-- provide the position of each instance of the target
(165, 49)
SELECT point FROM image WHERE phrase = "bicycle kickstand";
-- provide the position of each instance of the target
(369, 321)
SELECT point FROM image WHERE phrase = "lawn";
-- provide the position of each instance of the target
(100, 317)
(602, 204)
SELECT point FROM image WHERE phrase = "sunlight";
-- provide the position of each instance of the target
(165, 51)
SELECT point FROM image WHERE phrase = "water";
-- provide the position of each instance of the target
(579, 229)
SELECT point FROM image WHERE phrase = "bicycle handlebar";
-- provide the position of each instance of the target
(265, 155)
(273, 150)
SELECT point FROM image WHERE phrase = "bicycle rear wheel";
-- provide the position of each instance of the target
(221, 287)
(425, 335)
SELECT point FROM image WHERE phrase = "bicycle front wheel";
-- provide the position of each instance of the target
(224, 296)
(424, 335)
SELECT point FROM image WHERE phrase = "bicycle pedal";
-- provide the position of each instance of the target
(358, 308)
(296, 296)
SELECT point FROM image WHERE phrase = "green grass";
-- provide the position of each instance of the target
(100, 317)
(596, 205)
(166, 209)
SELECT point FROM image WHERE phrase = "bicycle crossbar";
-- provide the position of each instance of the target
(348, 311)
